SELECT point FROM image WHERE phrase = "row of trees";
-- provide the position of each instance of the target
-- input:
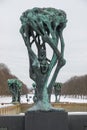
(77, 85)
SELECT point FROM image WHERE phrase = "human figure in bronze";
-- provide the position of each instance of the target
(42, 27)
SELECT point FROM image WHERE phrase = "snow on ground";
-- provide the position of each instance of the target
(6, 101)
(77, 113)
(72, 100)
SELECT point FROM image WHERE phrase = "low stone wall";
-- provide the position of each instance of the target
(25, 106)
(10, 121)
(76, 121)
(69, 107)
(72, 107)
(12, 109)
(20, 108)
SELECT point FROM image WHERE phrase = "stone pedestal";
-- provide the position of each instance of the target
(46, 120)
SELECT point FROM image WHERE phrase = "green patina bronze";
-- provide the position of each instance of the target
(57, 91)
(35, 93)
(15, 87)
(42, 26)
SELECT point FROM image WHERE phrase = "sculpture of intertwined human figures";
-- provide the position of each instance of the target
(42, 27)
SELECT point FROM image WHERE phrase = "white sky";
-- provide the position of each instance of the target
(13, 51)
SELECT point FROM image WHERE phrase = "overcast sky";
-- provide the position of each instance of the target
(13, 51)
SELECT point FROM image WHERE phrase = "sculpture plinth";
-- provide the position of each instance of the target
(46, 120)
(42, 26)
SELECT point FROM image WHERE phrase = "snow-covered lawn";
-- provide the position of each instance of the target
(6, 101)
(72, 100)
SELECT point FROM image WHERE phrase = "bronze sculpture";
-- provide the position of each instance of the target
(15, 87)
(57, 91)
(42, 26)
